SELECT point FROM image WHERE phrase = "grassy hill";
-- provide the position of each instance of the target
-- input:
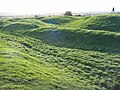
(100, 22)
(60, 53)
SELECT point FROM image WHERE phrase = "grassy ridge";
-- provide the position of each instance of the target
(101, 22)
(36, 55)
(103, 41)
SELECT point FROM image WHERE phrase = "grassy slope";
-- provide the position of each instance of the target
(21, 67)
(101, 22)
(63, 63)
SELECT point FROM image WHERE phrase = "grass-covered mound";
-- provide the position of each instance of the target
(58, 19)
(107, 22)
(62, 56)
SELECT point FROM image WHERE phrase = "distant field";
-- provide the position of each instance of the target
(60, 53)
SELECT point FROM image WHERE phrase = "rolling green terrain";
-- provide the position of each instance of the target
(60, 53)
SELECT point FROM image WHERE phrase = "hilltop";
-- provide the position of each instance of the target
(60, 53)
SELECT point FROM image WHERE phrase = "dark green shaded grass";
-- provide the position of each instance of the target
(20, 26)
(58, 19)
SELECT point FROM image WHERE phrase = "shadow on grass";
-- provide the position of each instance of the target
(79, 40)
(19, 26)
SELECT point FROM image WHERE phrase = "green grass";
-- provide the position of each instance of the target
(65, 55)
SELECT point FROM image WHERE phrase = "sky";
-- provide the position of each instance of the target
(56, 6)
